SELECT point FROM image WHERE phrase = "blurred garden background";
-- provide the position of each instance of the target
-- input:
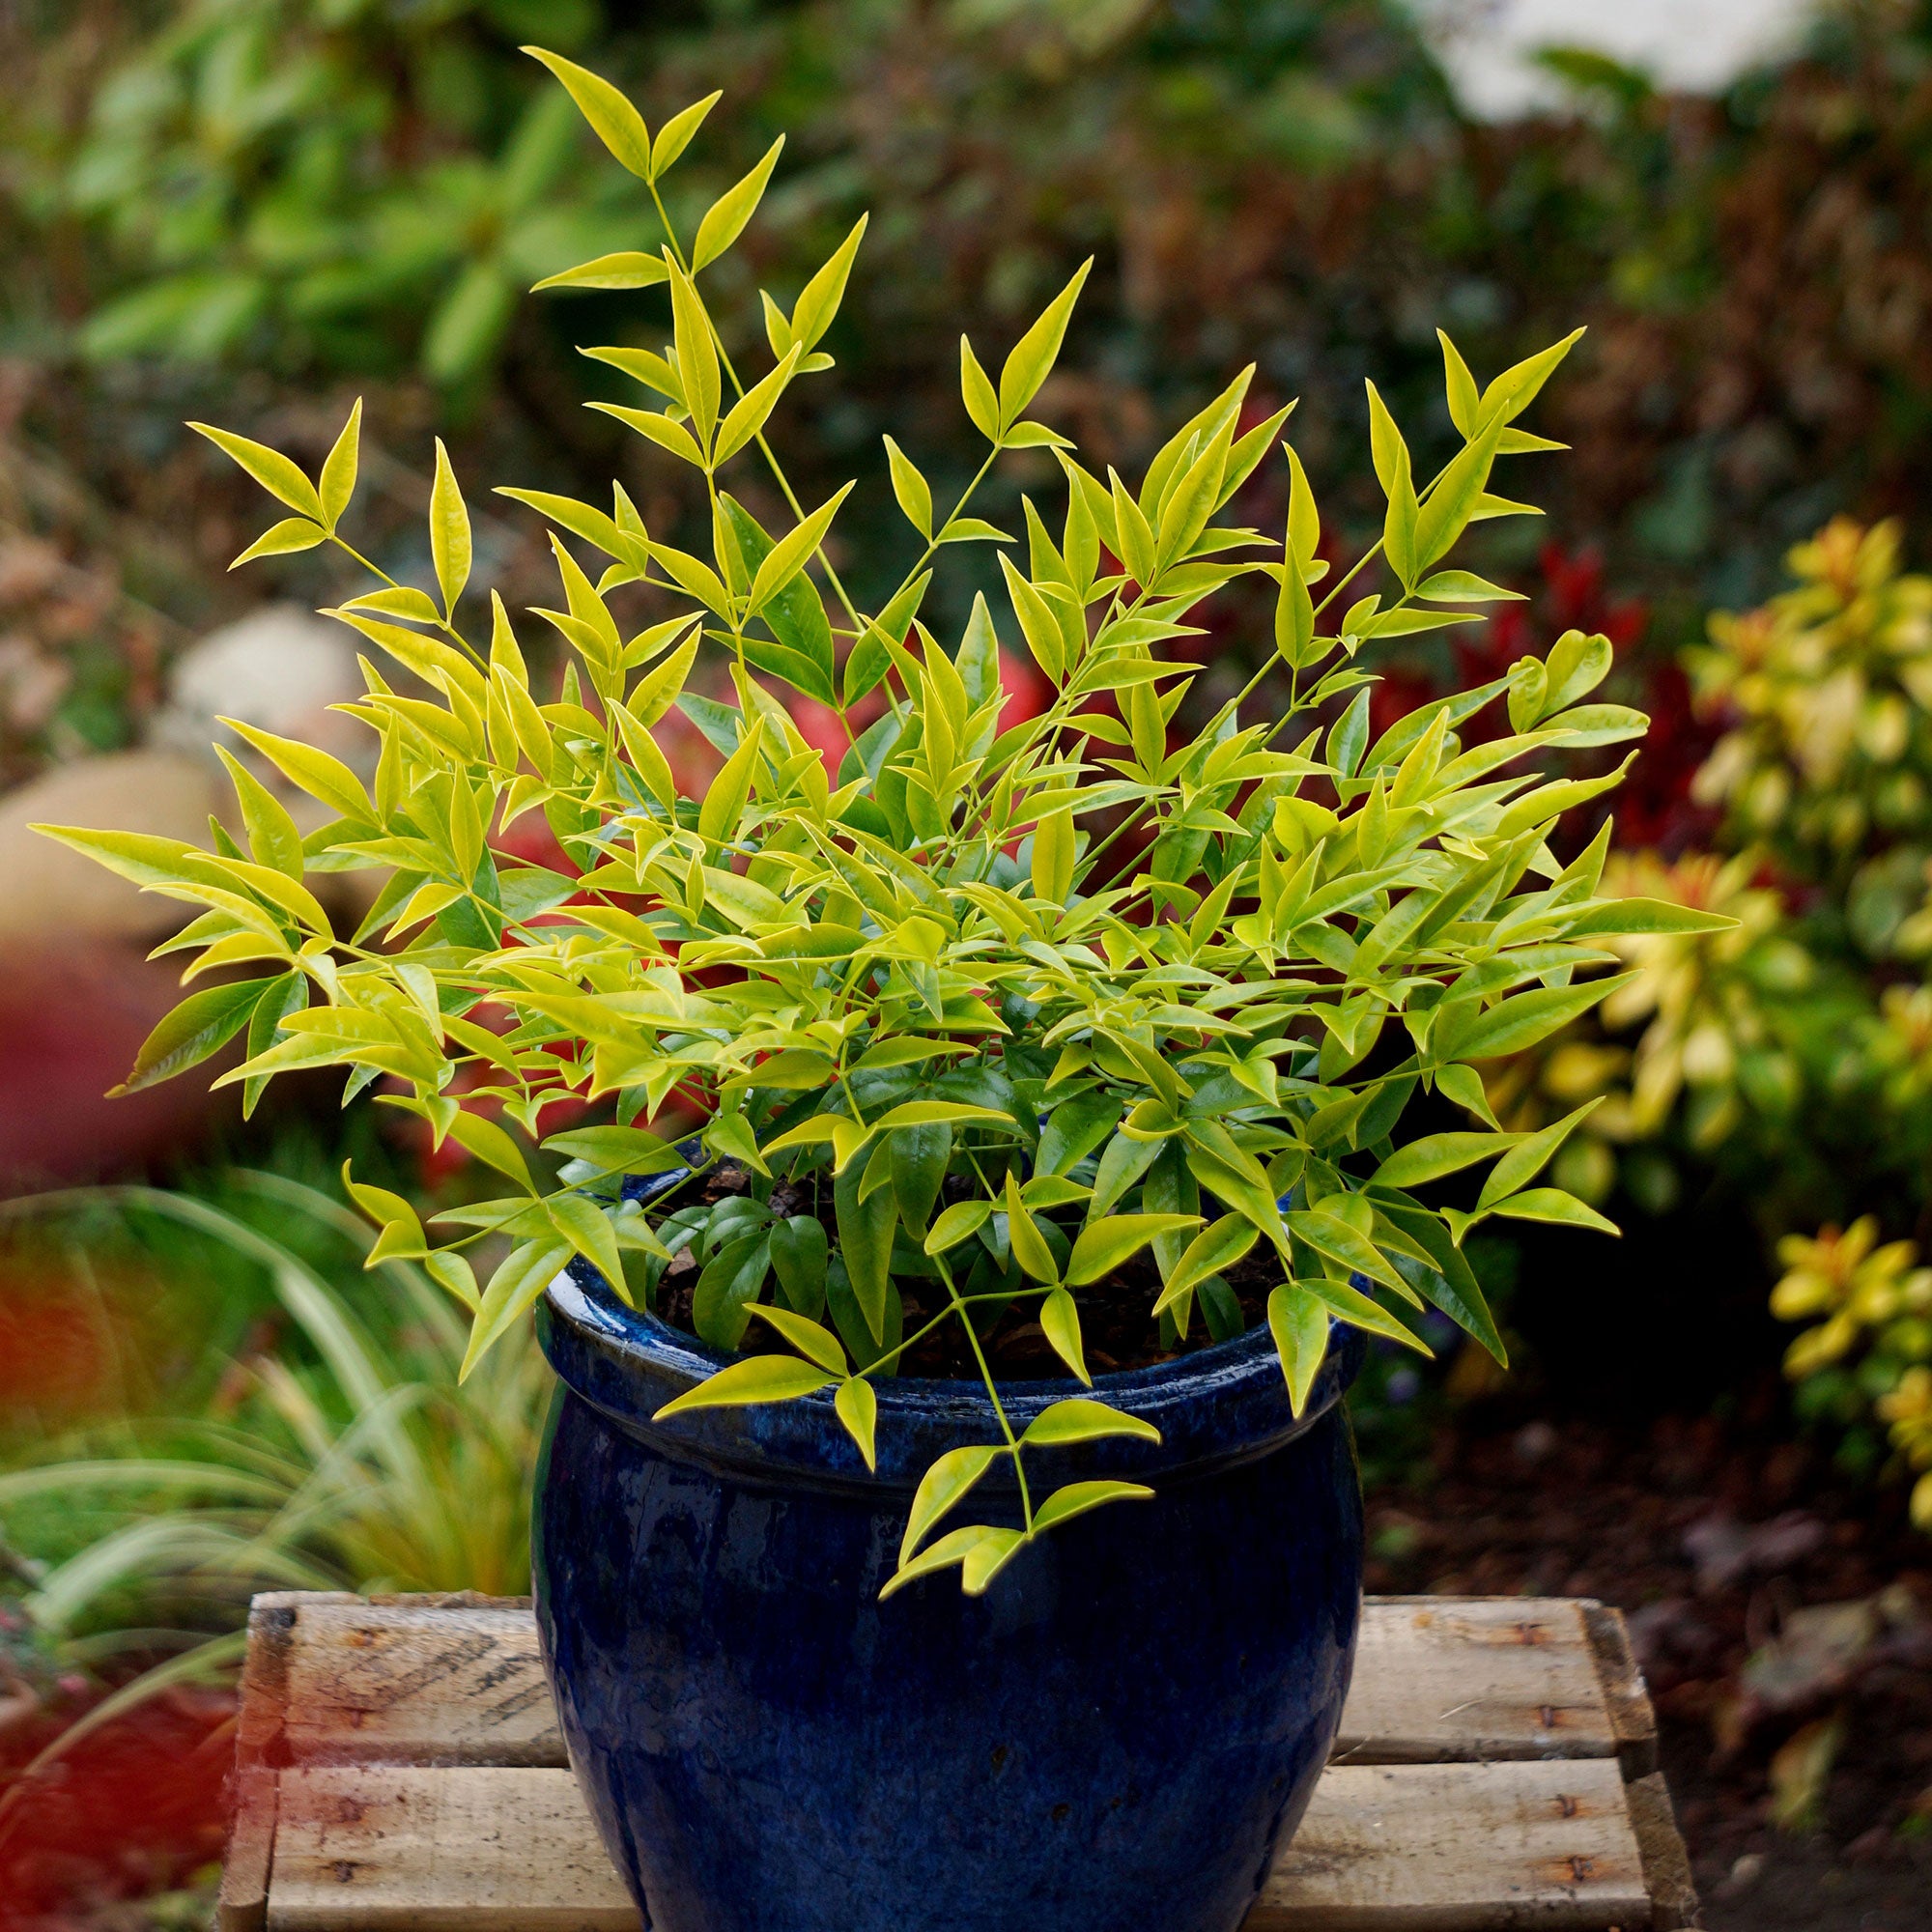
(256, 211)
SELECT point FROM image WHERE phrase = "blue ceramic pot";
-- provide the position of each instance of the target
(1117, 1736)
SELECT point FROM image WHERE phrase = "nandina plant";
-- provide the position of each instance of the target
(1078, 1025)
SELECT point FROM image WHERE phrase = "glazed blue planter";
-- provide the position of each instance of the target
(1117, 1736)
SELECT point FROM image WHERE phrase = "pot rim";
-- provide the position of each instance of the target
(1225, 1402)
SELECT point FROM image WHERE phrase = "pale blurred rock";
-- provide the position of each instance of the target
(278, 669)
(56, 897)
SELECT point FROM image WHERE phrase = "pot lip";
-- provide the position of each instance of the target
(1222, 1402)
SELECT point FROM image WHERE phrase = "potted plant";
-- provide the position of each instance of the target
(948, 1516)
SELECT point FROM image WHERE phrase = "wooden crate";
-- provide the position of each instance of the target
(400, 1769)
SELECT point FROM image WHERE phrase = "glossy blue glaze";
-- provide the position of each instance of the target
(1116, 1738)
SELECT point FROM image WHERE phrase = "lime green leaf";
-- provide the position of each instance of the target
(448, 531)
(788, 554)
(1437, 1154)
(818, 301)
(1105, 1245)
(272, 838)
(627, 268)
(1552, 1204)
(270, 468)
(942, 1487)
(1214, 1249)
(1636, 916)
(491, 1145)
(1053, 852)
(1529, 1158)
(1082, 1419)
(337, 483)
(858, 1408)
(1298, 1322)
(618, 123)
(1519, 1021)
(524, 1275)
(587, 1229)
(203, 1024)
(981, 1546)
(956, 1224)
(811, 1339)
(982, 406)
(283, 539)
(914, 493)
(1034, 354)
(1059, 1322)
(674, 136)
(741, 1384)
(726, 218)
(1073, 1499)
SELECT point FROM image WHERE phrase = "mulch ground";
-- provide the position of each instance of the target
(1782, 1616)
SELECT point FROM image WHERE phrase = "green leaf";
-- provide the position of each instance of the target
(740, 1385)
(270, 468)
(982, 406)
(492, 1147)
(1074, 1130)
(1298, 1322)
(627, 268)
(1059, 1322)
(1519, 1021)
(719, 1302)
(956, 1224)
(983, 1548)
(587, 1229)
(814, 1341)
(337, 483)
(749, 414)
(1082, 1419)
(1552, 1204)
(203, 1024)
(1105, 1245)
(1358, 1310)
(1463, 1085)
(1630, 917)
(618, 123)
(1216, 1247)
(800, 1250)
(525, 1272)
(448, 531)
(1029, 1245)
(273, 836)
(727, 796)
(1073, 1499)
(858, 1408)
(788, 554)
(818, 301)
(944, 1483)
(865, 1241)
(726, 218)
(674, 136)
(1437, 1154)
(1465, 586)
(283, 539)
(918, 1156)
(914, 493)
(1034, 354)
(1053, 853)
(1528, 1159)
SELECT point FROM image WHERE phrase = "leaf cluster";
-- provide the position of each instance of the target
(1008, 1003)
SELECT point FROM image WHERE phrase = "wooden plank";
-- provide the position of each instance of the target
(243, 1903)
(431, 1681)
(464, 1849)
(1460, 1848)
(1624, 1691)
(1407, 1848)
(1666, 1866)
(416, 1682)
(1452, 1680)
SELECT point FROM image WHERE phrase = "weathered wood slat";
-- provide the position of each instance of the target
(1446, 1680)
(1436, 1681)
(1398, 1848)
(402, 1848)
(1460, 1848)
